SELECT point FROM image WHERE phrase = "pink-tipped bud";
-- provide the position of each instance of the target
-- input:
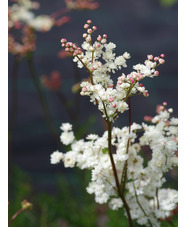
(141, 85)
(89, 30)
(119, 82)
(164, 103)
(75, 53)
(104, 36)
(161, 61)
(63, 44)
(140, 76)
(67, 49)
(88, 39)
(114, 105)
(92, 69)
(89, 21)
(63, 40)
(84, 89)
(86, 26)
(103, 41)
(111, 99)
(155, 58)
(98, 45)
(94, 28)
(150, 57)
(156, 73)
(132, 80)
(99, 38)
(162, 55)
(111, 85)
(145, 93)
(85, 35)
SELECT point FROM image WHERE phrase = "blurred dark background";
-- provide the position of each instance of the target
(138, 27)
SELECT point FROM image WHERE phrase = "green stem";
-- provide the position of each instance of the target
(15, 215)
(42, 98)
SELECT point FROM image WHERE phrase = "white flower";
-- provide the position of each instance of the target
(70, 159)
(66, 127)
(115, 203)
(67, 137)
(56, 157)
(120, 61)
(42, 23)
(126, 55)
(110, 46)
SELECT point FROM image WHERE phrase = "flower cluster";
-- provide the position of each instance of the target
(22, 24)
(53, 82)
(81, 4)
(100, 61)
(116, 159)
(148, 201)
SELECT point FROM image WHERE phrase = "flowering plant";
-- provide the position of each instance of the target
(119, 176)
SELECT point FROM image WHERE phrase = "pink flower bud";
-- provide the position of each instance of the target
(92, 68)
(145, 93)
(155, 58)
(111, 99)
(99, 38)
(104, 36)
(89, 21)
(89, 30)
(98, 45)
(75, 53)
(85, 35)
(67, 49)
(161, 61)
(132, 80)
(119, 82)
(94, 28)
(88, 39)
(103, 41)
(63, 40)
(141, 85)
(156, 73)
(164, 103)
(111, 85)
(150, 57)
(86, 26)
(63, 44)
(114, 105)
(84, 89)
(162, 55)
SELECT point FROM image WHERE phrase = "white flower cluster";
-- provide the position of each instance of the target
(100, 61)
(147, 200)
(21, 12)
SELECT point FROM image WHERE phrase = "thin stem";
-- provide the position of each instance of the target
(77, 79)
(15, 215)
(115, 174)
(158, 205)
(90, 73)
(42, 98)
(139, 202)
(124, 172)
